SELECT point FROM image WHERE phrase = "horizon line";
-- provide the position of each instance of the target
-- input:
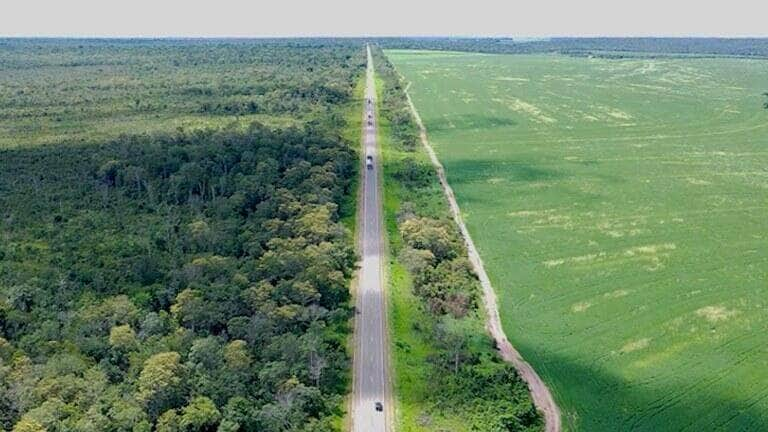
(326, 36)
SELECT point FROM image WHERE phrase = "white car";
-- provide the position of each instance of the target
(369, 162)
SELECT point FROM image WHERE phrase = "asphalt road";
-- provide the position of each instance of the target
(371, 377)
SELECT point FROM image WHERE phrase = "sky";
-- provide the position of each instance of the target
(263, 18)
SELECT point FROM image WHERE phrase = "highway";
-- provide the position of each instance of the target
(371, 377)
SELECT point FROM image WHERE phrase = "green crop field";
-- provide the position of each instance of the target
(621, 209)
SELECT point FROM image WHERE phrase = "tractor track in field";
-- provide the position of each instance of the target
(540, 393)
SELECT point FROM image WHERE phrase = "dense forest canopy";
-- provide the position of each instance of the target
(186, 280)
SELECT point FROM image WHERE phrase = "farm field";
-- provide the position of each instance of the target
(620, 209)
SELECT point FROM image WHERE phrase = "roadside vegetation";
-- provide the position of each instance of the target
(448, 375)
(619, 206)
(189, 279)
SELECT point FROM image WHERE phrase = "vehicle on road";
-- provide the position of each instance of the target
(369, 162)
(370, 123)
(379, 406)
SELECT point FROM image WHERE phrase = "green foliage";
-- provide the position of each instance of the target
(28, 425)
(169, 422)
(394, 107)
(201, 415)
(122, 337)
(160, 382)
(184, 280)
(414, 175)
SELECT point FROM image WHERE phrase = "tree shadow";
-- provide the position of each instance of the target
(592, 400)
(473, 170)
(468, 121)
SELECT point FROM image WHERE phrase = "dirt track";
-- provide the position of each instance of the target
(542, 397)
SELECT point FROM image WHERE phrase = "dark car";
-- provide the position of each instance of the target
(379, 406)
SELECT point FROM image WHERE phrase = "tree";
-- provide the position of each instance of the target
(160, 382)
(169, 422)
(28, 425)
(458, 339)
(236, 355)
(316, 224)
(416, 260)
(108, 171)
(432, 235)
(205, 353)
(201, 415)
(126, 415)
(189, 309)
(312, 345)
(123, 338)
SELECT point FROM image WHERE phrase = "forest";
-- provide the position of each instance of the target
(81, 90)
(175, 278)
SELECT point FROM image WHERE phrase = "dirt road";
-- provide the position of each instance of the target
(371, 377)
(542, 397)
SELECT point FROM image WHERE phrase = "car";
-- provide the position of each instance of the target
(369, 162)
(379, 406)
(370, 123)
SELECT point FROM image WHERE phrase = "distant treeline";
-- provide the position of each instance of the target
(54, 88)
(608, 47)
